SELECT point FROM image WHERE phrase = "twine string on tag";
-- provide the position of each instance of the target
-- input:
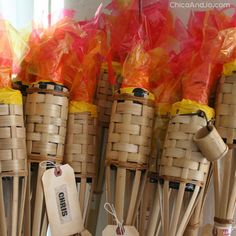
(111, 210)
(51, 164)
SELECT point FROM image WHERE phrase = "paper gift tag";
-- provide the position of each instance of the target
(222, 231)
(111, 230)
(62, 201)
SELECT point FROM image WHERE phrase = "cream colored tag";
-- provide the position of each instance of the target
(62, 201)
(222, 231)
(111, 230)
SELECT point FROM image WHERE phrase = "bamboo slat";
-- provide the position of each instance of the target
(224, 171)
(128, 150)
(183, 168)
(46, 119)
(81, 154)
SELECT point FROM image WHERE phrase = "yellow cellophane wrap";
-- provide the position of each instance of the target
(188, 106)
(129, 90)
(10, 96)
(117, 67)
(229, 68)
(80, 107)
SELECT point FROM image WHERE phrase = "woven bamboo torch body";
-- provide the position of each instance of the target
(225, 168)
(128, 150)
(150, 206)
(105, 96)
(81, 155)
(104, 100)
(184, 172)
(13, 169)
(46, 111)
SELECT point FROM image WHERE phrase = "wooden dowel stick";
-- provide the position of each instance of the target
(3, 225)
(232, 197)
(15, 205)
(187, 214)
(27, 209)
(82, 192)
(225, 185)
(166, 208)
(144, 206)
(39, 198)
(196, 218)
(139, 199)
(174, 223)
(172, 203)
(98, 188)
(108, 191)
(120, 193)
(90, 191)
(154, 218)
(232, 200)
(158, 229)
(23, 197)
(134, 195)
(217, 185)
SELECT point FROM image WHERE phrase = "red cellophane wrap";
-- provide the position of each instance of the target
(201, 72)
(123, 24)
(167, 89)
(125, 20)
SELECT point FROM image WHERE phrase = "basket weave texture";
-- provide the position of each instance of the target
(12, 140)
(80, 150)
(104, 97)
(181, 159)
(130, 130)
(226, 108)
(46, 122)
(160, 128)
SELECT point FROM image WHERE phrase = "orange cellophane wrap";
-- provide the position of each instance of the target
(33, 42)
(54, 51)
(223, 48)
(201, 72)
(85, 82)
(12, 49)
(136, 68)
(6, 56)
(5, 77)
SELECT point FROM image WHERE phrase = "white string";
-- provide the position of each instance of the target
(111, 210)
(45, 164)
